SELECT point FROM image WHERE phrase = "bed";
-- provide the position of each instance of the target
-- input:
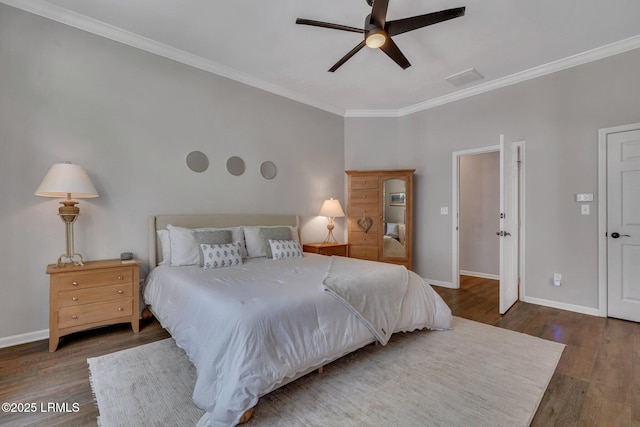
(252, 327)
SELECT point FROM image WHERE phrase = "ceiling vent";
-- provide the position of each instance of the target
(464, 77)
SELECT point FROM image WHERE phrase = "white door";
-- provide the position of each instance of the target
(623, 224)
(508, 224)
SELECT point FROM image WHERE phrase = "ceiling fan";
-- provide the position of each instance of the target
(378, 31)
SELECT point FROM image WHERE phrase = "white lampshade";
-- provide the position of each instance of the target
(65, 179)
(331, 208)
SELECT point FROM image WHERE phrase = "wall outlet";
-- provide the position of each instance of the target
(557, 279)
(444, 211)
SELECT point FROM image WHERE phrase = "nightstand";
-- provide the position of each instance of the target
(99, 293)
(338, 249)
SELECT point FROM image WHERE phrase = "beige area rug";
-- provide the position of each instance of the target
(473, 375)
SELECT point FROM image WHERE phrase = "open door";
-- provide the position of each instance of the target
(509, 222)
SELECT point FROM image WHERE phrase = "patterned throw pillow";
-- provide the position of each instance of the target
(224, 255)
(211, 237)
(274, 233)
(282, 249)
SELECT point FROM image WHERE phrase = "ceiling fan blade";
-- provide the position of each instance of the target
(347, 56)
(393, 51)
(313, 23)
(400, 26)
(379, 12)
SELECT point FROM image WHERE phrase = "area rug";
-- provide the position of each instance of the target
(473, 375)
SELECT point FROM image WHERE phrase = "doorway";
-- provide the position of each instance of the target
(619, 222)
(510, 232)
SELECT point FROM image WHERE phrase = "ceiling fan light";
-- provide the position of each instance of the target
(375, 39)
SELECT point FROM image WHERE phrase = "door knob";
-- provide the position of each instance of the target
(616, 235)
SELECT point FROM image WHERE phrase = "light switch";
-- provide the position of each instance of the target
(584, 209)
(444, 211)
(584, 197)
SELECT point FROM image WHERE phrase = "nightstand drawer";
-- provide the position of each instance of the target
(69, 317)
(67, 282)
(337, 251)
(363, 252)
(92, 295)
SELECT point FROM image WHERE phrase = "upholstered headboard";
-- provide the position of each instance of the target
(160, 222)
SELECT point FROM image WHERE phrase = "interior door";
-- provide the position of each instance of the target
(623, 225)
(508, 225)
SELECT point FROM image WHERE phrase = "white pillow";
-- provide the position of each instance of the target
(284, 249)
(255, 242)
(165, 248)
(392, 229)
(184, 250)
(225, 255)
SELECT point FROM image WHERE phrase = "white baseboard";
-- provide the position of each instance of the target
(563, 306)
(24, 338)
(439, 283)
(481, 275)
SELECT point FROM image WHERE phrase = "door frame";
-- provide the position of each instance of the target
(602, 213)
(455, 201)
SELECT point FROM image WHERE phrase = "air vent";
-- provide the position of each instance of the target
(464, 77)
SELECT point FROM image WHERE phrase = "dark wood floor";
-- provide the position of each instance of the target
(597, 382)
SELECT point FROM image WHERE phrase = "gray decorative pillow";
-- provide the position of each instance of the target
(274, 233)
(211, 237)
(225, 255)
(283, 249)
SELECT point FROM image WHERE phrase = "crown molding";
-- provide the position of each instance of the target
(85, 23)
(99, 28)
(532, 73)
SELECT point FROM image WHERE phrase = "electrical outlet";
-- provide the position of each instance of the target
(444, 211)
(557, 279)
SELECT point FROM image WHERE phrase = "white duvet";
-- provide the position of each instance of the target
(252, 328)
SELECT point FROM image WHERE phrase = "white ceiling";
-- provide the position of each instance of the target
(258, 43)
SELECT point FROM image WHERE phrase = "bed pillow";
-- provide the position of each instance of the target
(211, 237)
(273, 233)
(256, 244)
(184, 250)
(165, 249)
(284, 249)
(392, 229)
(223, 255)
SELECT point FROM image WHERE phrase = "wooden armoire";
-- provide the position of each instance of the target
(380, 215)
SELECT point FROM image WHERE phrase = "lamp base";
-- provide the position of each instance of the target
(76, 259)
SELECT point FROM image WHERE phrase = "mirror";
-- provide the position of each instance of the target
(235, 166)
(197, 161)
(268, 170)
(394, 215)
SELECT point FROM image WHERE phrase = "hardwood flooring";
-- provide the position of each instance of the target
(597, 382)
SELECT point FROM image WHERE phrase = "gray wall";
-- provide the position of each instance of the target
(559, 116)
(479, 214)
(130, 118)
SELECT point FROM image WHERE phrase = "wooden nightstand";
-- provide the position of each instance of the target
(99, 293)
(338, 249)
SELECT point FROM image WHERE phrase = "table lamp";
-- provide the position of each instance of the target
(331, 209)
(68, 180)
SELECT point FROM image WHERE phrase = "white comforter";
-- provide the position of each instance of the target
(252, 328)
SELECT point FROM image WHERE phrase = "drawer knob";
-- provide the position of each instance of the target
(364, 252)
(120, 309)
(364, 197)
(74, 283)
(120, 277)
(120, 291)
(75, 316)
(74, 298)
